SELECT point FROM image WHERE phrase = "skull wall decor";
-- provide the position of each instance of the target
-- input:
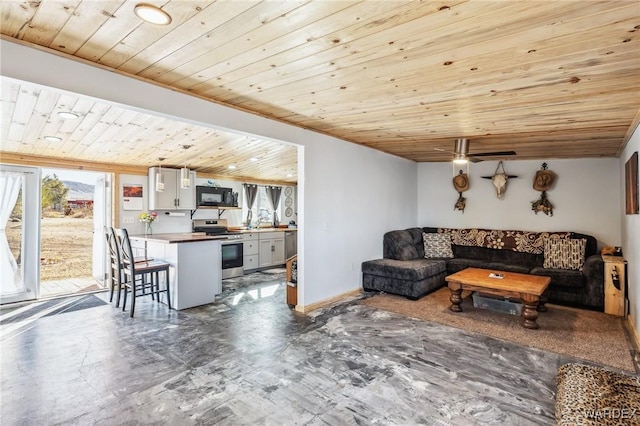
(500, 179)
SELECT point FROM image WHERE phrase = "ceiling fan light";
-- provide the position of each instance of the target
(152, 14)
(460, 159)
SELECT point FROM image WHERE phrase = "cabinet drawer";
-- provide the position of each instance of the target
(250, 262)
(271, 235)
(250, 247)
(249, 236)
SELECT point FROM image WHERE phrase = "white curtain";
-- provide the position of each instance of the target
(10, 278)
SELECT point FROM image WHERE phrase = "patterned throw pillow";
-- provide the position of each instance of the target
(436, 245)
(564, 254)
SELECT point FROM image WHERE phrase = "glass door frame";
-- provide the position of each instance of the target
(30, 258)
(102, 209)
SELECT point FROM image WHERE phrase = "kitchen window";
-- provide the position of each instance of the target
(262, 211)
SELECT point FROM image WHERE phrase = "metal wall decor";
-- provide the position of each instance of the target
(461, 184)
(542, 181)
(288, 201)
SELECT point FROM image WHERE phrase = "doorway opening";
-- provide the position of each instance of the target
(73, 216)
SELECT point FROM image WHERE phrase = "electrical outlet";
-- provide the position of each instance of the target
(127, 219)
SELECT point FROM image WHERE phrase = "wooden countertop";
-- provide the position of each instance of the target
(189, 237)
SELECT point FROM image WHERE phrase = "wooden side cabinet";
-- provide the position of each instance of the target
(615, 268)
(292, 280)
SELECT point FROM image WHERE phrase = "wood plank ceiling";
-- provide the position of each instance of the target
(548, 79)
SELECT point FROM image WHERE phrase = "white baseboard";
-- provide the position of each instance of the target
(330, 301)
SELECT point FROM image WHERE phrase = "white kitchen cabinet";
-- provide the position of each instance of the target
(250, 251)
(271, 248)
(173, 197)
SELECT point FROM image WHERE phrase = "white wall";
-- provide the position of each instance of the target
(378, 191)
(351, 197)
(586, 198)
(631, 237)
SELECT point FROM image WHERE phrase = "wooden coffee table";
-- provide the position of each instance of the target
(527, 287)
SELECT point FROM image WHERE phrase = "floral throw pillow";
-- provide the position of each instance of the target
(437, 245)
(564, 254)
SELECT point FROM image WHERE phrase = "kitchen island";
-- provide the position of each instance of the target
(195, 274)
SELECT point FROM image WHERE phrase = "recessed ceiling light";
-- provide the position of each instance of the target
(69, 115)
(253, 159)
(53, 138)
(231, 166)
(289, 175)
(152, 14)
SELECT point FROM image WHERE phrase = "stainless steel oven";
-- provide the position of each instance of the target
(232, 254)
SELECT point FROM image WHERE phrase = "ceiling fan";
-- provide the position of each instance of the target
(461, 152)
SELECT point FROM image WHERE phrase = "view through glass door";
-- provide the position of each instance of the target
(72, 247)
(19, 233)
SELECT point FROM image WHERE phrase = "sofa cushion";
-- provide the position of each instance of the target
(563, 277)
(414, 270)
(525, 260)
(437, 246)
(508, 267)
(399, 245)
(416, 235)
(475, 253)
(458, 264)
(564, 254)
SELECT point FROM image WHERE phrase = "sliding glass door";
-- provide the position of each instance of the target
(19, 233)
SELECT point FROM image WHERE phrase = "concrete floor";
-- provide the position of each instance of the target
(249, 359)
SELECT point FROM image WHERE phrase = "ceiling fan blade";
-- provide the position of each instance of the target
(443, 150)
(493, 154)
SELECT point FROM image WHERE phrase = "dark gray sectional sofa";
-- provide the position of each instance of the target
(405, 271)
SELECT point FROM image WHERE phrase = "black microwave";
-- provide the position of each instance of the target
(212, 196)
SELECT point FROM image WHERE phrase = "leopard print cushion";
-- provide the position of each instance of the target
(595, 396)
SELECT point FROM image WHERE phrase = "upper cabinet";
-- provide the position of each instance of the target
(173, 197)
